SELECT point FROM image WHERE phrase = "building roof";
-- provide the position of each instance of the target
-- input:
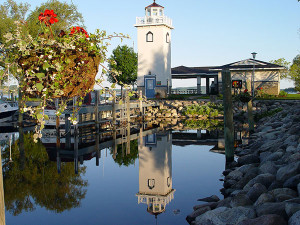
(154, 4)
(248, 64)
(191, 70)
(183, 72)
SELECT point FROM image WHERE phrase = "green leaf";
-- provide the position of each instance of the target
(46, 65)
(39, 86)
(46, 117)
(40, 75)
(39, 116)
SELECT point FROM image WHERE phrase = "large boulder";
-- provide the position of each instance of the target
(295, 219)
(240, 200)
(288, 171)
(277, 208)
(268, 167)
(255, 191)
(234, 175)
(248, 159)
(292, 182)
(224, 215)
(190, 218)
(264, 179)
(263, 198)
(270, 219)
(283, 191)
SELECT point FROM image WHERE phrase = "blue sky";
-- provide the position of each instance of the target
(207, 32)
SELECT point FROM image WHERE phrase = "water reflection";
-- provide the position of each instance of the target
(155, 172)
(31, 179)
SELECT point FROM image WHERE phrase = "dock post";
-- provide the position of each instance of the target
(76, 148)
(228, 116)
(2, 203)
(97, 110)
(141, 102)
(114, 108)
(57, 125)
(250, 111)
(67, 131)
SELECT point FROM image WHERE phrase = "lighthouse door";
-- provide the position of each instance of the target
(150, 87)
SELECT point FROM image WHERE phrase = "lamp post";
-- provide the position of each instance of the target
(252, 83)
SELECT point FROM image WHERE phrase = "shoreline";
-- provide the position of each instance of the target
(263, 186)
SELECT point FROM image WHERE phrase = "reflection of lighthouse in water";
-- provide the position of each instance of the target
(155, 172)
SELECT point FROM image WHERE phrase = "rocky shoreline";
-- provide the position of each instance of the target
(263, 186)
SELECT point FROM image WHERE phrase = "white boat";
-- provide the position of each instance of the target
(7, 110)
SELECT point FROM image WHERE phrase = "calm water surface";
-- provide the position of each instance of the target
(157, 183)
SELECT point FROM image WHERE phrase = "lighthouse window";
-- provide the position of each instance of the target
(149, 37)
(148, 12)
(151, 183)
(154, 12)
(160, 12)
(168, 38)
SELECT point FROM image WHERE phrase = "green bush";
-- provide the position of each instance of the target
(283, 94)
(209, 110)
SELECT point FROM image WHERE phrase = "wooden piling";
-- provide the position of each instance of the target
(228, 116)
(97, 93)
(250, 111)
(57, 125)
(2, 203)
(114, 108)
(67, 131)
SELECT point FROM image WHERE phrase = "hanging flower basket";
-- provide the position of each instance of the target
(73, 76)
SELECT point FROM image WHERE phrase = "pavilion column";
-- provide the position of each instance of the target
(198, 85)
(207, 85)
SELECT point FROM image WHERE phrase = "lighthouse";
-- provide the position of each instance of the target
(155, 172)
(154, 52)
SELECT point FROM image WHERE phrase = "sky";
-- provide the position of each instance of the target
(207, 32)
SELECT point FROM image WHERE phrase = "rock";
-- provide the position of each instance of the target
(274, 156)
(248, 159)
(291, 149)
(226, 172)
(288, 171)
(245, 168)
(291, 208)
(212, 205)
(283, 197)
(265, 179)
(223, 215)
(255, 191)
(292, 182)
(235, 175)
(298, 188)
(196, 213)
(270, 219)
(225, 202)
(295, 219)
(229, 183)
(268, 167)
(212, 198)
(240, 200)
(283, 191)
(263, 198)
(277, 208)
(275, 184)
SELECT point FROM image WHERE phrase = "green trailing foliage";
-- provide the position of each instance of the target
(204, 124)
(209, 110)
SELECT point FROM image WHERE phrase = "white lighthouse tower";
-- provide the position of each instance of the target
(154, 52)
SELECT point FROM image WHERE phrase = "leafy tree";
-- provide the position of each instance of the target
(31, 179)
(282, 62)
(123, 66)
(129, 159)
(67, 15)
(295, 72)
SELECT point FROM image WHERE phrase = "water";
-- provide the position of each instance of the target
(173, 172)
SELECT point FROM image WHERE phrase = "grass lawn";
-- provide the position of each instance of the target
(288, 97)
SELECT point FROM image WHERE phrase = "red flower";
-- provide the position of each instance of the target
(79, 30)
(48, 17)
(246, 90)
